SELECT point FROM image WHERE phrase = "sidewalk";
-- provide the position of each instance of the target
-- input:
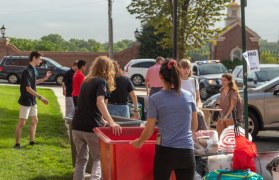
(61, 98)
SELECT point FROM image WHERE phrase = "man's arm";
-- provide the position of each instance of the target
(34, 93)
(63, 88)
(135, 102)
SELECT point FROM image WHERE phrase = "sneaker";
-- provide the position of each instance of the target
(17, 146)
(32, 143)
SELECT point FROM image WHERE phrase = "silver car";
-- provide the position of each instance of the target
(263, 102)
(255, 79)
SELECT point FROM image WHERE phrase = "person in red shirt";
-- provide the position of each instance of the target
(152, 78)
(78, 78)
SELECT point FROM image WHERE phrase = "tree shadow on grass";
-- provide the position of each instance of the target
(50, 127)
(67, 176)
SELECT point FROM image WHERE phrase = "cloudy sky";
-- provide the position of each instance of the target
(88, 19)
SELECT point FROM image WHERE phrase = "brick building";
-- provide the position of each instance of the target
(67, 58)
(228, 45)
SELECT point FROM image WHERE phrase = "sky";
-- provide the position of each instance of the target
(88, 19)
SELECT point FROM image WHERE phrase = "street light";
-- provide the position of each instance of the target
(136, 33)
(243, 4)
(174, 31)
(3, 29)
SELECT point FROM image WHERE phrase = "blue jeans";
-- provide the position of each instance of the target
(119, 110)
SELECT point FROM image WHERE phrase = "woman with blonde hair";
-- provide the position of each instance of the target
(91, 111)
(187, 82)
(227, 102)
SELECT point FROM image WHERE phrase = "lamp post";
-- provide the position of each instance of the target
(110, 29)
(243, 29)
(3, 30)
(174, 31)
(136, 33)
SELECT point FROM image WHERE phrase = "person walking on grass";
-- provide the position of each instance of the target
(67, 87)
(174, 109)
(28, 94)
(153, 82)
(92, 112)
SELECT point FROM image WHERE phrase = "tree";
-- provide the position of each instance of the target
(196, 20)
(55, 42)
(150, 43)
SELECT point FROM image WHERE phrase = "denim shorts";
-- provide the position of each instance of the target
(119, 110)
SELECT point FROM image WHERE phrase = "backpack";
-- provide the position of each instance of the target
(238, 109)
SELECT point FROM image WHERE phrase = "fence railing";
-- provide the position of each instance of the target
(266, 56)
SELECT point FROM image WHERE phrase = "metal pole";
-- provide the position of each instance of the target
(243, 5)
(174, 46)
(110, 29)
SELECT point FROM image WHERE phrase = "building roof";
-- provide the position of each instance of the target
(255, 36)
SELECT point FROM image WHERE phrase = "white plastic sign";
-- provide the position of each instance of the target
(252, 59)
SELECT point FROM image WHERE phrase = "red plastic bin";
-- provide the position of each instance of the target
(120, 160)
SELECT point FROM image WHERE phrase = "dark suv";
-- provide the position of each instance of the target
(11, 68)
(209, 74)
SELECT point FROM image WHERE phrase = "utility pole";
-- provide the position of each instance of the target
(243, 5)
(175, 24)
(110, 29)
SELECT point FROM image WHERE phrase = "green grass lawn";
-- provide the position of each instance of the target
(50, 158)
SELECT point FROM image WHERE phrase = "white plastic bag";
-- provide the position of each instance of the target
(208, 140)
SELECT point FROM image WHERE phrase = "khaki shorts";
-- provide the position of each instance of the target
(28, 111)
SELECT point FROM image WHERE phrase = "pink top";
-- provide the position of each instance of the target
(152, 76)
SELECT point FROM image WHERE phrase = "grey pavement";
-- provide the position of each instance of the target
(61, 98)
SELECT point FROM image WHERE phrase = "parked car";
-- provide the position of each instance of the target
(136, 70)
(11, 68)
(262, 103)
(254, 79)
(209, 74)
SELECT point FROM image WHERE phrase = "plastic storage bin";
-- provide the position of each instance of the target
(123, 122)
(120, 160)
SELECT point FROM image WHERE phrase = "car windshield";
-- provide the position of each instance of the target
(268, 83)
(266, 74)
(212, 69)
(53, 62)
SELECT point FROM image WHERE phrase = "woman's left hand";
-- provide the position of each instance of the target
(136, 115)
(116, 129)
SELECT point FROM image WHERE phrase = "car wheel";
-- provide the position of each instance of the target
(59, 79)
(253, 124)
(137, 80)
(203, 92)
(13, 79)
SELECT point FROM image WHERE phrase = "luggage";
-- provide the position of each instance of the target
(232, 175)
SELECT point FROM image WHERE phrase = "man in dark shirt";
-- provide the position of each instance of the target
(28, 96)
(67, 86)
